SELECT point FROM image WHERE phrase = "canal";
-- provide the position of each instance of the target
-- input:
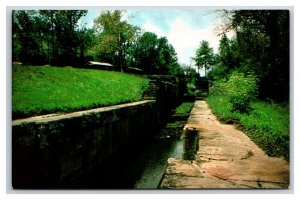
(141, 166)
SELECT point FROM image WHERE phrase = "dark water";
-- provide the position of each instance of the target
(140, 167)
(156, 157)
(142, 164)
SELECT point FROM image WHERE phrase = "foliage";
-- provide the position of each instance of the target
(217, 72)
(204, 57)
(191, 88)
(190, 79)
(114, 38)
(145, 53)
(262, 39)
(227, 60)
(229, 53)
(270, 123)
(168, 57)
(240, 90)
(267, 124)
(48, 37)
(38, 90)
(154, 55)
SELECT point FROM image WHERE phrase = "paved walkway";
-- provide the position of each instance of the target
(226, 158)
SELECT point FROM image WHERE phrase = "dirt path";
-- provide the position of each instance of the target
(226, 158)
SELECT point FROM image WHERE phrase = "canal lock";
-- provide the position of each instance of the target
(144, 168)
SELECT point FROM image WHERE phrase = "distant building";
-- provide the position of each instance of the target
(99, 65)
(134, 70)
(17, 63)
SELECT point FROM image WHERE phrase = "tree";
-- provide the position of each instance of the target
(168, 61)
(154, 55)
(114, 38)
(228, 53)
(86, 39)
(263, 42)
(204, 56)
(62, 35)
(145, 54)
(46, 36)
(25, 37)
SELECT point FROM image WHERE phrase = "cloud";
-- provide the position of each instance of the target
(152, 28)
(186, 38)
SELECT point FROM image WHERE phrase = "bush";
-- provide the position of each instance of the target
(240, 89)
(191, 89)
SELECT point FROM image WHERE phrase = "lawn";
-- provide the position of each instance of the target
(40, 90)
(267, 124)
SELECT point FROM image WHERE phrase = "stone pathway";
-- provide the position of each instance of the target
(226, 158)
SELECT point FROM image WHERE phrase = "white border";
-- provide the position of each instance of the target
(153, 3)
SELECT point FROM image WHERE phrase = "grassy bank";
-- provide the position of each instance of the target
(267, 124)
(39, 90)
(175, 125)
(181, 114)
(184, 109)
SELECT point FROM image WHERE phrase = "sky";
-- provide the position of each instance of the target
(184, 29)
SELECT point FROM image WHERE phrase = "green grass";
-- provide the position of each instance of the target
(267, 124)
(184, 109)
(40, 90)
(183, 112)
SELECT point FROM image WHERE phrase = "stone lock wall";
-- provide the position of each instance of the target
(167, 91)
(50, 151)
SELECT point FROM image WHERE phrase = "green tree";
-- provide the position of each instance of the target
(228, 53)
(168, 61)
(46, 36)
(86, 39)
(204, 56)
(25, 36)
(154, 55)
(227, 59)
(115, 36)
(263, 42)
(63, 35)
(145, 54)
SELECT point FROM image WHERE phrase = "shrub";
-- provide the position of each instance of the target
(242, 89)
(191, 89)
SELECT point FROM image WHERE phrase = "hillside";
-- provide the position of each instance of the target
(40, 90)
